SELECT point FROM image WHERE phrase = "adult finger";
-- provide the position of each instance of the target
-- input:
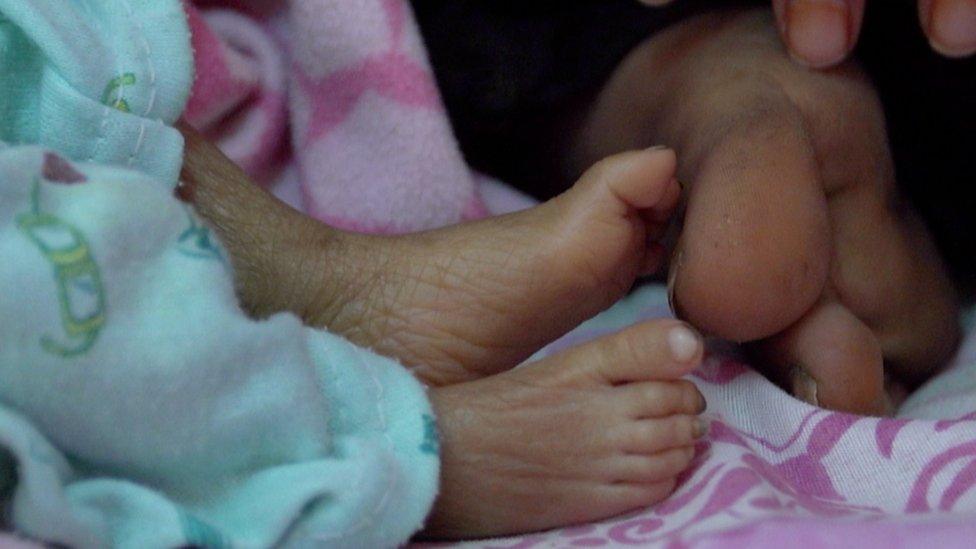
(950, 25)
(819, 33)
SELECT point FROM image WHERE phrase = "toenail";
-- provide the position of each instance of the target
(685, 344)
(700, 429)
(672, 278)
(702, 403)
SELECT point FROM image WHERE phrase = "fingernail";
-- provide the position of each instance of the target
(700, 429)
(657, 148)
(818, 31)
(952, 27)
(672, 277)
(685, 344)
(805, 387)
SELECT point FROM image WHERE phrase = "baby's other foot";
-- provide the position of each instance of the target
(590, 433)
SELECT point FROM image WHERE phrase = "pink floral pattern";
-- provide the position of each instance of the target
(339, 93)
(776, 472)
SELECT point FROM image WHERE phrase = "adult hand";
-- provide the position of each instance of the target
(821, 33)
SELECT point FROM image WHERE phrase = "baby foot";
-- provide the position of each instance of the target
(593, 432)
(457, 303)
(793, 235)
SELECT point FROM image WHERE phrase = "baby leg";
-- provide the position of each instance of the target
(457, 303)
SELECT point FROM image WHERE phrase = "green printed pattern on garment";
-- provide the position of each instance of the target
(431, 443)
(199, 534)
(114, 95)
(197, 240)
(79, 282)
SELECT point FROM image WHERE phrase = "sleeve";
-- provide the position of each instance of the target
(139, 407)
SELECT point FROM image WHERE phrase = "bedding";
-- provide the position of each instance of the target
(776, 472)
(332, 105)
(773, 471)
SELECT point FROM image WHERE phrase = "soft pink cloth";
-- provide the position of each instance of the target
(776, 473)
(370, 149)
(349, 82)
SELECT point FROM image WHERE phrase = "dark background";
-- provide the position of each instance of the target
(510, 69)
(930, 102)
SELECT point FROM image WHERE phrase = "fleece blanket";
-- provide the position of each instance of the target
(370, 149)
(140, 407)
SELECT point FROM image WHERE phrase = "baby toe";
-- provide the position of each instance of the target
(653, 468)
(660, 399)
(636, 180)
(637, 495)
(651, 436)
(654, 350)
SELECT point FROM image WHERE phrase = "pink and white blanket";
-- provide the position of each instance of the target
(332, 104)
(775, 472)
(334, 100)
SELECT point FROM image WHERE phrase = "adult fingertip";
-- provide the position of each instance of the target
(950, 26)
(818, 33)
